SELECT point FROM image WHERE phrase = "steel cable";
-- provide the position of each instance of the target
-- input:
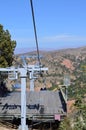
(35, 32)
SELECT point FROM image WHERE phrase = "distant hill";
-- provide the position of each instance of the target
(70, 62)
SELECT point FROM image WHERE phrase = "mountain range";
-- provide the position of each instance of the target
(63, 63)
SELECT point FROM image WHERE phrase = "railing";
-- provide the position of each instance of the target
(63, 94)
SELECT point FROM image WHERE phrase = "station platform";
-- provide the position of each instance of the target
(40, 106)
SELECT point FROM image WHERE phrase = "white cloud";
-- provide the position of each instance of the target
(63, 38)
(52, 39)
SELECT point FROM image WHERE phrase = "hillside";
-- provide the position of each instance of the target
(70, 62)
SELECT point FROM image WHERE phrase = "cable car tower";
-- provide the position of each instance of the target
(31, 69)
(13, 74)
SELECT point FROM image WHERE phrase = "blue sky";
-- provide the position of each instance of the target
(60, 23)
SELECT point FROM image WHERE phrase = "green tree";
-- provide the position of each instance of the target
(80, 120)
(7, 47)
(65, 124)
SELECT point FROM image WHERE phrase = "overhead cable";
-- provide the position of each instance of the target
(35, 32)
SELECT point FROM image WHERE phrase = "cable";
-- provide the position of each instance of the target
(33, 17)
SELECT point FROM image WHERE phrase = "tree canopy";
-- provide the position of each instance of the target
(7, 47)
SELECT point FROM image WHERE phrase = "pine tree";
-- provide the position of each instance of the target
(7, 47)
